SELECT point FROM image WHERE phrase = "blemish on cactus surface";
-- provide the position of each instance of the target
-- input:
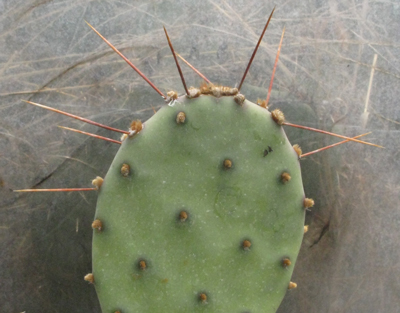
(278, 116)
(203, 297)
(297, 148)
(125, 170)
(180, 118)
(228, 164)
(305, 228)
(97, 182)
(308, 203)
(285, 177)
(239, 99)
(267, 151)
(89, 278)
(97, 224)
(246, 244)
(136, 277)
(286, 262)
(292, 285)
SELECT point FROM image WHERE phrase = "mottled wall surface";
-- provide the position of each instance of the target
(326, 78)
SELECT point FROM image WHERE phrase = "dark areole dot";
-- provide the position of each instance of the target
(180, 118)
(125, 170)
(285, 177)
(142, 264)
(278, 116)
(228, 164)
(89, 278)
(203, 297)
(183, 216)
(246, 244)
(98, 225)
(286, 262)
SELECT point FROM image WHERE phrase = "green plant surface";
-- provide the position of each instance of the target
(177, 167)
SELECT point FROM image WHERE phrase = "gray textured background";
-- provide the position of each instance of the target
(349, 261)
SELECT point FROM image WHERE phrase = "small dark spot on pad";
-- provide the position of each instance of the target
(180, 118)
(227, 164)
(142, 264)
(246, 244)
(97, 224)
(286, 262)
(125, 170)
(203, 297)
(285, 177)
(183, 216)
(268, 150)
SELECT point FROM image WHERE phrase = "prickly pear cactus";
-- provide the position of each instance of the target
(202, 210)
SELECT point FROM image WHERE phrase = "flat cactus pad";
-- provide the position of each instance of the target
(202, 210)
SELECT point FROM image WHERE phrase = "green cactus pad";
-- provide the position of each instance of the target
(200, 212)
